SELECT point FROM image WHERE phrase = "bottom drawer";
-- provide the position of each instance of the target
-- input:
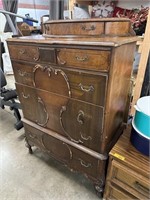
(74, 158)
(130, 179)
(115, 193)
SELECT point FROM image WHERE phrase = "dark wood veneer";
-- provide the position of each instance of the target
(73, 90)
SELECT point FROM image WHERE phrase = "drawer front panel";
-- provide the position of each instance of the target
(117, 28)
(32, 136)
(23, 72)
(74, 84)
(22, 52)
(116, 193)
(86, 28)
(73, 157)
(79, 85)
(32, 53)
(85, 163)
(84, 59)
(129, 179)
(78, 121)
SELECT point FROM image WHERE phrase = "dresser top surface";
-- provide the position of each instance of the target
(68, 40)
(126, 152)
(114, 19)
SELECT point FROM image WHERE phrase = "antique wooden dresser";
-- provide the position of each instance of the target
(73, 85)
(128, 174)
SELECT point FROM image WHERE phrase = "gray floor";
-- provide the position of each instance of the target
(34, 177)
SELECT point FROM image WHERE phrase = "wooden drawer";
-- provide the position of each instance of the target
(116, 193)
(70, 118)
(32, 53)
(33, 137)
(79, 28)
(130, 180)
(74, 158)
(70, 83)
(84, 59)
(88, 27)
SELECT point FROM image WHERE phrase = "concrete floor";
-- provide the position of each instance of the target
(34, 177)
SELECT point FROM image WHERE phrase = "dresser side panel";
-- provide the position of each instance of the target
(117, 92)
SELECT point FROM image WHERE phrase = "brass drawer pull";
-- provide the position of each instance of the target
(86, 88)
(141, 188)
(22, 51)
(25, 96)
(82, 59)
(85, 164)
(23, 73)
(83, 27)
(80, 117)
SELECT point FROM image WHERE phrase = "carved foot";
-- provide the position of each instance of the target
(99, 187)
(99, 191)
(28, 146)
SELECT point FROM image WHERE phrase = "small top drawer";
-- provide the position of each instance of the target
(79, 28)
(131, 180)
(98, 60)
(32, 53)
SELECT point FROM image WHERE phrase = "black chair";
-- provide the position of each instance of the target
(7, 98)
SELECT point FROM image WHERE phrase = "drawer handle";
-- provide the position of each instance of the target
(82, 59)
(86, 88)
(141, 188)
(80, 117)
(22, 51)
(84, 164)
(25, 96)
(23, 74)
(88, 29)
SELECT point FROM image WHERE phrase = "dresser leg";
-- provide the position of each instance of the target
(99, 190)
(99, 187)
(28, 146)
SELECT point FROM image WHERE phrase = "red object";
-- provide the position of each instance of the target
(121, 12)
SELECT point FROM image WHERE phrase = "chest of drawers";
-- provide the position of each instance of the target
(128, 172)
(73, 92)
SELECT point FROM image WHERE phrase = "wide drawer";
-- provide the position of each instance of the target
(88, 27)
(116, 193)
(69, 155)
(80, 28)
(78, 121)
(32, 53)
(76, 84)
(130, 180)
(98, 60)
